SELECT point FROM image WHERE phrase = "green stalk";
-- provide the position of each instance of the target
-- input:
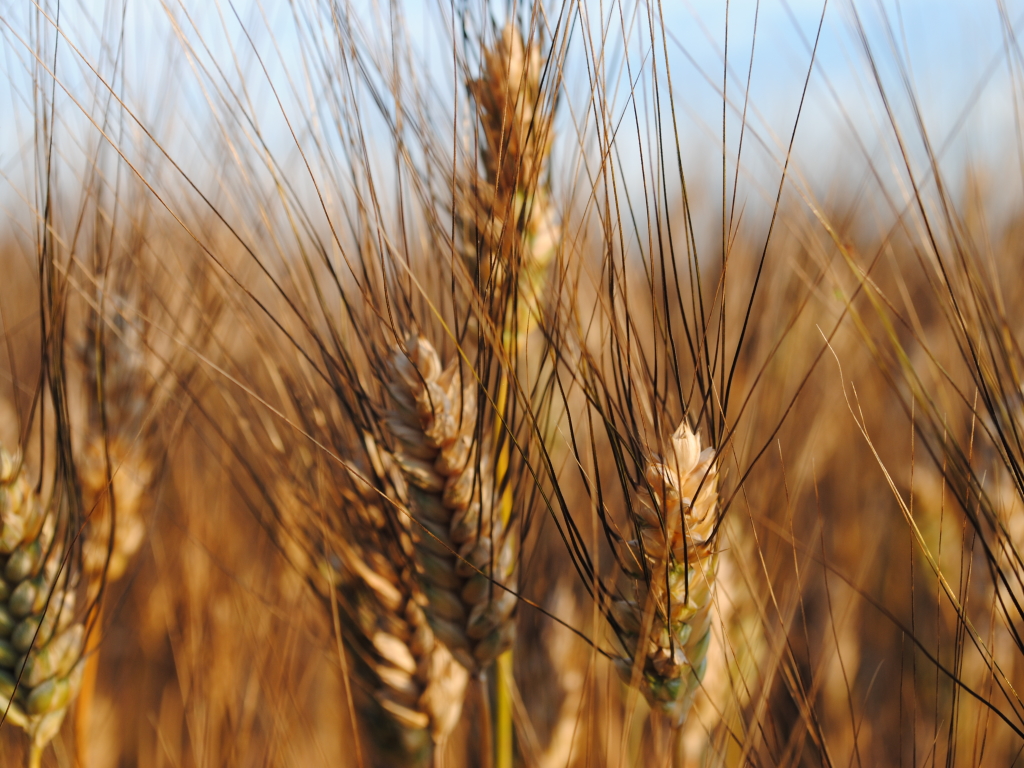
(503, 712)
(503, 736)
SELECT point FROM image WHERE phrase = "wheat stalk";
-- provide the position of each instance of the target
(516, 235)
(40, 642)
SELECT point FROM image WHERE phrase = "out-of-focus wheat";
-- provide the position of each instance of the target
(120, 395)
(130, 481)
(139, 342)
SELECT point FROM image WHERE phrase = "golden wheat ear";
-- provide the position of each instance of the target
(128, 368)
(463, 551)
(347, 528)
(512, 227)
(410, 688)
(125, 386)
(40, 641)
(664, 621)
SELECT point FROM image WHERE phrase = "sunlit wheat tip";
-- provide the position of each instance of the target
(511, 208)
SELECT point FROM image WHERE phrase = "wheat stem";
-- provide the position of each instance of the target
(678, 748)
(84, 707)
(486, 723)
(503, 725)
(503, 729)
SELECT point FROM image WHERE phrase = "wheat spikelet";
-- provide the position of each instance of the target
(675, 563)
(511, 211)
(451, 494)
(40, 643)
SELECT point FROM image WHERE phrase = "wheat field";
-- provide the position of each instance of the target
(512, 384)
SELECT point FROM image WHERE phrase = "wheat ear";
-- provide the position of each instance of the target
(665, 623)
(516, 235)
(40, 642)
(411, 686)
(115, 471)
(511, 211)
(739, 647)
(464, 552)
(120, 392)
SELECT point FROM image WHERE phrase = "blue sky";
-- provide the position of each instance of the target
(956, 52)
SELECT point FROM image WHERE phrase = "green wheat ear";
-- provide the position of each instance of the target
(40, 641)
